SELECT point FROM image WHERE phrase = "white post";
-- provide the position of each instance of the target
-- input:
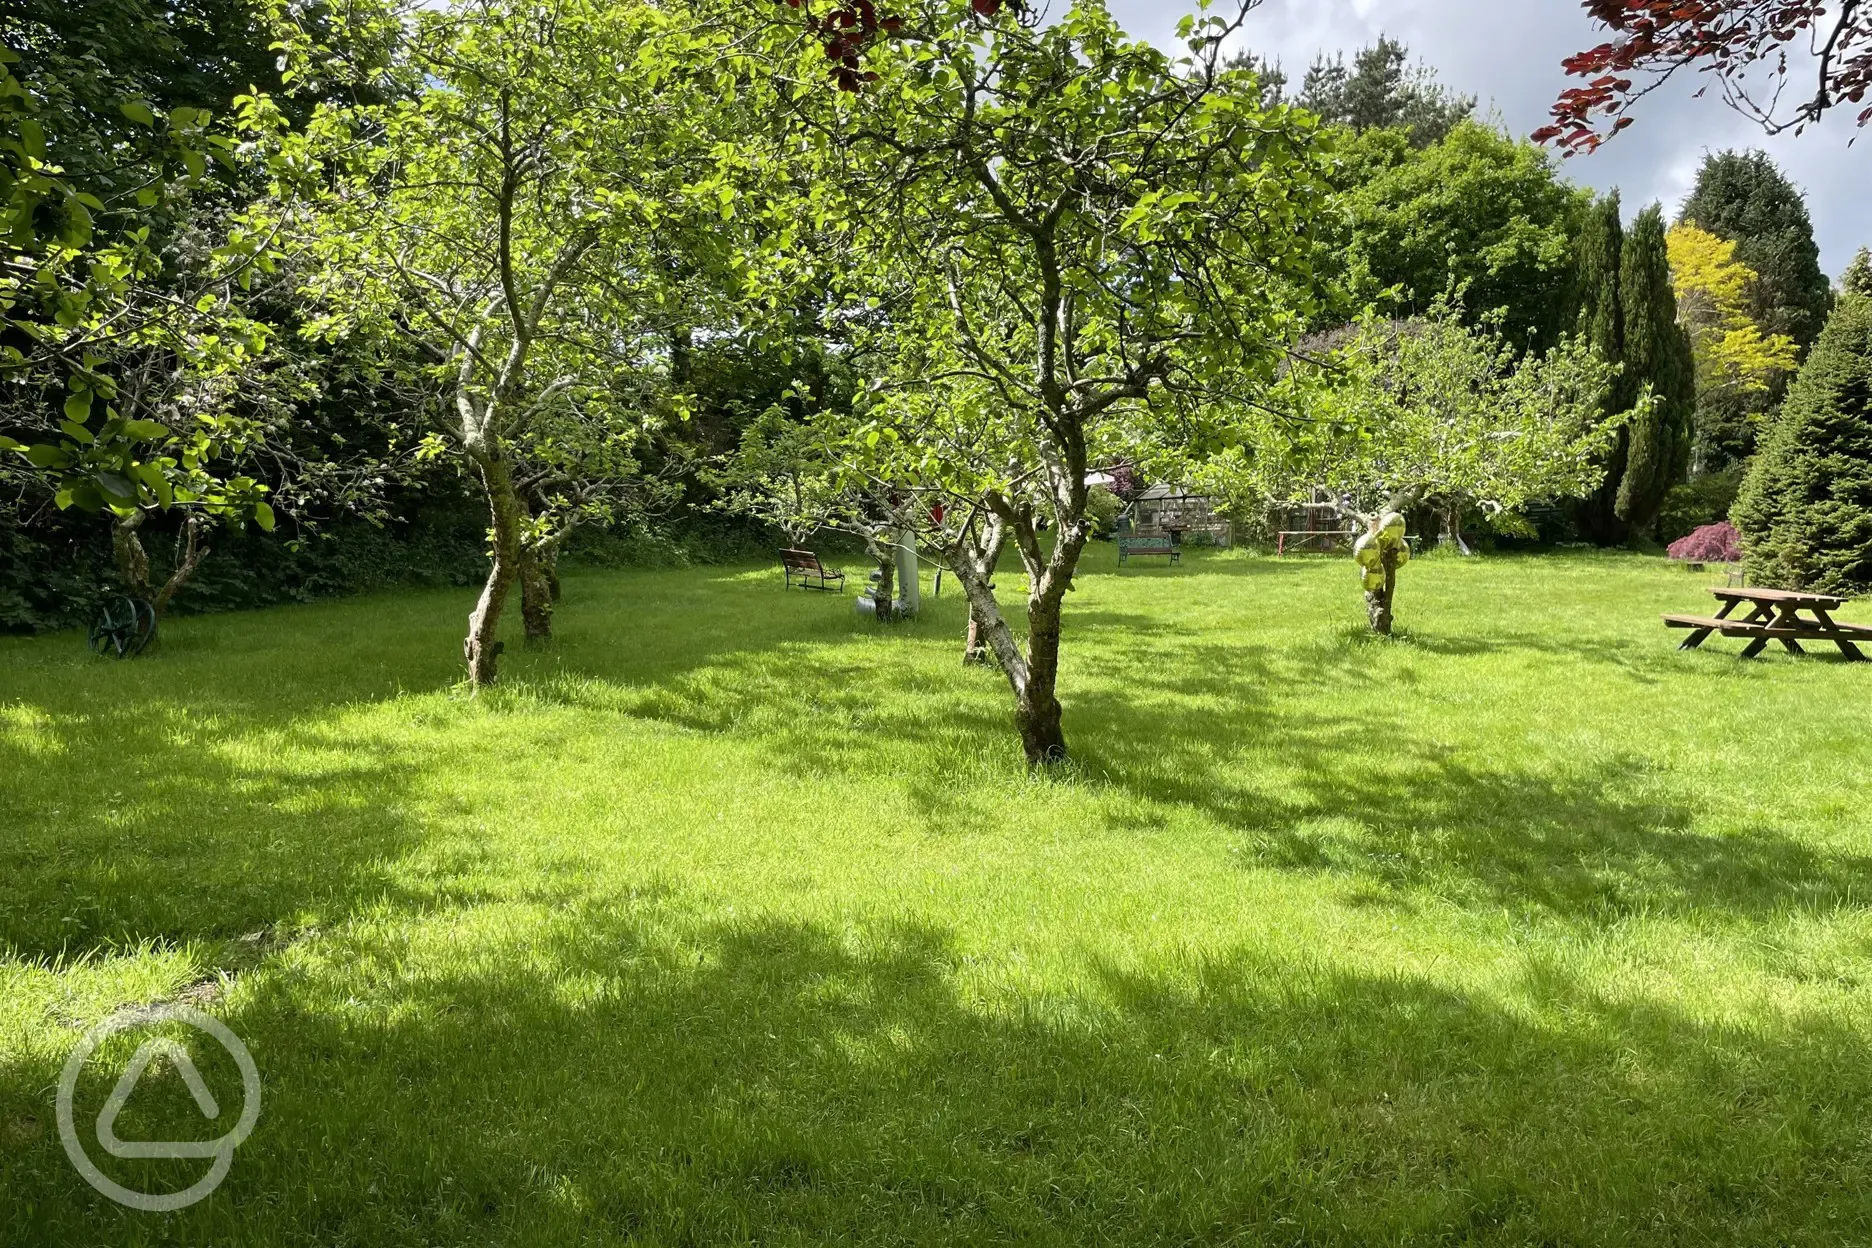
(909, 590)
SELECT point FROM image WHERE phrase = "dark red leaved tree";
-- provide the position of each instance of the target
(1754, 49)
(849, 29)
(1713, 543)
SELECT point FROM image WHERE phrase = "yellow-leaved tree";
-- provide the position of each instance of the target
(1732, 354)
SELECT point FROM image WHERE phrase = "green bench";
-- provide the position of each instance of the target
(1131, 544)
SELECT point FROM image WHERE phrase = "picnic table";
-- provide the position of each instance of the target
(1774, 615)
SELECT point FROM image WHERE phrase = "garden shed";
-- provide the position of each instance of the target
(1180, 512)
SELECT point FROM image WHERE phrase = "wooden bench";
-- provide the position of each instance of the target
(1130, 544)
(804, 566)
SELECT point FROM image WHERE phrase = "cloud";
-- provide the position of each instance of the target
(1508, 54)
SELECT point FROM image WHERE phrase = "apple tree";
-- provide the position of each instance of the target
(1055, 241)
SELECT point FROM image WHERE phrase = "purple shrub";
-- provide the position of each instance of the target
(1713, 543)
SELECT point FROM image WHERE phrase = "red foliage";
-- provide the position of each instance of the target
(847, 30)
(1727, 38)
(1713, 543)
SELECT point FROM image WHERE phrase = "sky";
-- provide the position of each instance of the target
(1507, 53)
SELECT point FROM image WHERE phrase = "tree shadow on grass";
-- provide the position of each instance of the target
(1355, 795)
(218, 788)
(624, 1072)
(137, 823)
(1179, 722)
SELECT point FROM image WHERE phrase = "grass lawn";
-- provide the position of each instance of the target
(733, 918)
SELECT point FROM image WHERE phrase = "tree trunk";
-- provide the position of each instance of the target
(188, 562)
(481, 649)
(1037, 712)
(132, 560)
(885, 591)
(975, 646)
(1033, 676)
(1452, 529)
(1378, 601)
(133, 565)
(537, 583)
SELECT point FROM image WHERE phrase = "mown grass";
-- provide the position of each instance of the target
(734, 918)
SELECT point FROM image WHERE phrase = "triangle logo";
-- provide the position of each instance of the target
(120, 1096)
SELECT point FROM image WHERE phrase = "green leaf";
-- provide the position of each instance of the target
(77, 432)
(138, 111)
(144, 430)
(263, 516)
(45, 455)
(78, 406)
(77, 230)
(8, 444)
(116, 487)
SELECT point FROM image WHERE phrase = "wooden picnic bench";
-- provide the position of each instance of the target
(804, 566)
(1774, 615)
(1134, 544)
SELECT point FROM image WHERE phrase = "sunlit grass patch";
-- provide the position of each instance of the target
(732, 917)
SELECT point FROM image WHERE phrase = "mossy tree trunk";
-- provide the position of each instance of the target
(482, 648)
(1032, 676)
(133, 564)
(1378, 602)
(987, 557)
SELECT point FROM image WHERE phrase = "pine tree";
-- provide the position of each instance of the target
(1743, 196)
(1382, 91)
(1805, 511)
(1598, 245)
(1657, 353)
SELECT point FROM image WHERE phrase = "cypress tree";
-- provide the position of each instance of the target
(1658, 353)
(1744, 197)
(1805, 511)
(1598, 243)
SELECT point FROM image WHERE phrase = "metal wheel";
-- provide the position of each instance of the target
(124, 628)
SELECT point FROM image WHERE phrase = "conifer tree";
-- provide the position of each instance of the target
(1744, 197)
(1857, 279)
(1598, 244)
(1658, 354)
(1381, 90)
(1805, 511)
